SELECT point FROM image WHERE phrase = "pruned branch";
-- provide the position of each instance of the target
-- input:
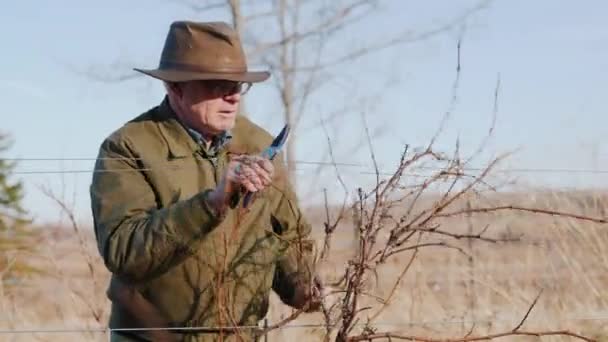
(370, 337)
(469, 337)
(523, 320)
(479, 236)
(96, 312)
(395, 285)
(295, 314)
(487, 210)
(423, 245)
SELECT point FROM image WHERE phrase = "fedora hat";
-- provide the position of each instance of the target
(203, 51)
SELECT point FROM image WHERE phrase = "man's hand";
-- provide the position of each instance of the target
(317, 296)
(308, 298)
(252, 173)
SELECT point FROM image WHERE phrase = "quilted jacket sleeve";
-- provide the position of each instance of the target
(294, 273)
(136, 238)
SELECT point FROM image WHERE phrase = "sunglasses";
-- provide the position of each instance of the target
(221, 88)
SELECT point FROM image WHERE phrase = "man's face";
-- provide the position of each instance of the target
(208, 106)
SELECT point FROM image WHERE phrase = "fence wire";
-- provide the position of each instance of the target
(62, 330)
(369, 168)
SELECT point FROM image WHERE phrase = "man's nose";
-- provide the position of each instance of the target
(232, 98)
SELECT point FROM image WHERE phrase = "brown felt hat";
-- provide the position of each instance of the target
(203, 51)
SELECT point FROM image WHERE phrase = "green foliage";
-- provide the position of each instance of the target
(16, 234)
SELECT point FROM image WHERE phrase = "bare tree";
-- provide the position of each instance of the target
(290, 37)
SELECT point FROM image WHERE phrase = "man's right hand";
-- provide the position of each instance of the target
(244, 172)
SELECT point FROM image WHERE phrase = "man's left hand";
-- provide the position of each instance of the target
(316, 297)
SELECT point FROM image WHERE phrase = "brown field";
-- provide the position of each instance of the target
(440, 296)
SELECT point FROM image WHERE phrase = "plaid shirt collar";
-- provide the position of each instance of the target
(217, 142)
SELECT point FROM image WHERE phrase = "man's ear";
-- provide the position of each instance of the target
(174, 88)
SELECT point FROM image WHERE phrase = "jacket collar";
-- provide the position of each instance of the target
(217, 143)
(179, 142)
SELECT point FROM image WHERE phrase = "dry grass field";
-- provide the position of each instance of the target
(443, 294)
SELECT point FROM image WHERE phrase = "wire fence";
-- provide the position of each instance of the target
(466, 322)
(363, 168)
(368, 168)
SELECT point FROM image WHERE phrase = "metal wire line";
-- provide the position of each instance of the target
(369, 167)
(296, 326)
(414, 175)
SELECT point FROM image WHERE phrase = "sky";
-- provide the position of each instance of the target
(550, 57)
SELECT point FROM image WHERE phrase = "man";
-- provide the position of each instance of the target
(167, 197)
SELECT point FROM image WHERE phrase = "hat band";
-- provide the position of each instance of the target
(179, 66)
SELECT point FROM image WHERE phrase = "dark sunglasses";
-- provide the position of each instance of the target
(220, 88)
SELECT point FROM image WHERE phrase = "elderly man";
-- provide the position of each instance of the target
(167, 197)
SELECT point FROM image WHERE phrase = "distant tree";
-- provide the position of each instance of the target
(297, 41)
(15, 231)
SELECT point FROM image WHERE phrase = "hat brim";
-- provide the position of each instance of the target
(184, 76)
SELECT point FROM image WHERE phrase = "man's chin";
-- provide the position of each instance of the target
(225, 125)
(228, 117)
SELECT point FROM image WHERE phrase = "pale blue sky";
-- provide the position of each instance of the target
(552, 57)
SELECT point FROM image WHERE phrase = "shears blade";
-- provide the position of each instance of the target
(270, 152)
(277, 143)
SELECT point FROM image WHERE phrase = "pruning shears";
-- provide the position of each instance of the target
(270, 152)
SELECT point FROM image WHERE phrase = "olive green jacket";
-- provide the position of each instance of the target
(174, 263)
